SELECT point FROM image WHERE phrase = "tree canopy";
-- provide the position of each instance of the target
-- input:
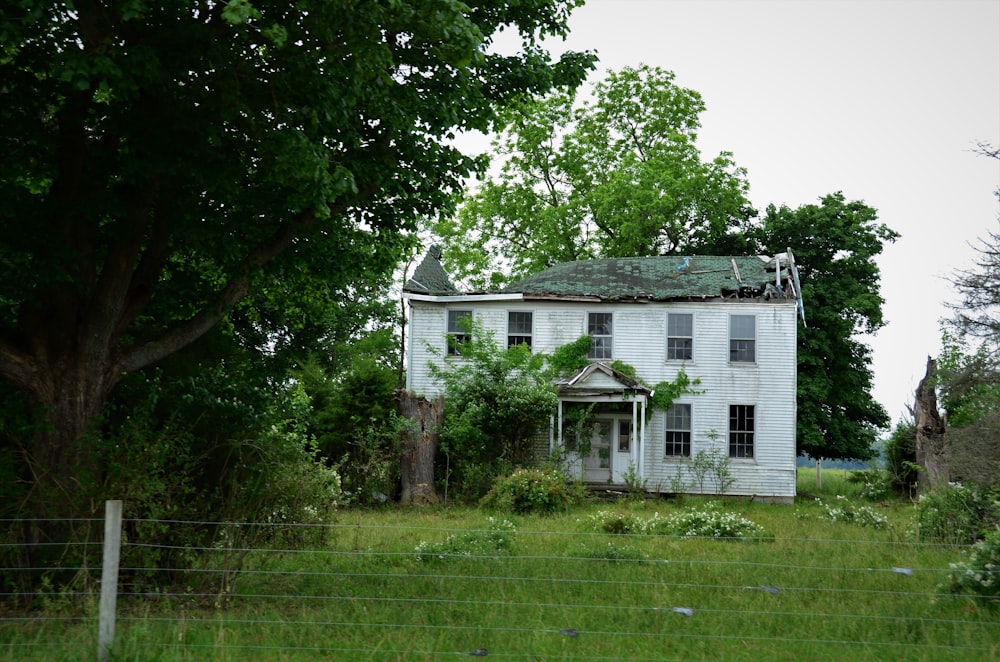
(620, 174)
(166, 165)
(614, 175)
(835, 244)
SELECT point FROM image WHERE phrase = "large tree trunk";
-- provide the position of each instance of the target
(419, 447)
(70, 391)
(931, 448)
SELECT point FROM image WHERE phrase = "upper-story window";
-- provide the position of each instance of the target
(599, 328)
(743, 338)
(459, 327)
(519, 328)
(680, 336)
(741, 430)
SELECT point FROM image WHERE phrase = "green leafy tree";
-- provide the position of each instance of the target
(968, 379)
(496, 400)
(901, 458)
(168, 165)
(616, 175)
(835, 244)
(353, 415)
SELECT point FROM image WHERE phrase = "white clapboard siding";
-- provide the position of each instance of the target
(639, 339)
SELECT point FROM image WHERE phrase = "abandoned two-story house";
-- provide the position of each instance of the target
(728, 322)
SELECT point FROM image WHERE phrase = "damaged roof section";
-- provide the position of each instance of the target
(430, 277)
(661, 278)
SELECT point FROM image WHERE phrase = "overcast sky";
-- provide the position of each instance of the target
(881, 99)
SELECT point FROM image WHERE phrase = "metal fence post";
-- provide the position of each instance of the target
(109, 578)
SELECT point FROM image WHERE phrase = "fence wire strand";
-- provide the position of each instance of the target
(403, 577)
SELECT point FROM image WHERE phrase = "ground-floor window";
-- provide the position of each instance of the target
(741, 430)
(678, 442)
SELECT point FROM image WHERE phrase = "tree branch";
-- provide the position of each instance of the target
(235, 290)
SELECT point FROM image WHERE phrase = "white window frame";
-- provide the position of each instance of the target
(608, 352)
(454, 335)
(674, 430)
(742, 438)
(689, 338)
(741, 345)
(525, 338)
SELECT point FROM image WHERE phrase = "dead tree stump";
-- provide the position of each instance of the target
(419, 446)
(931, 447)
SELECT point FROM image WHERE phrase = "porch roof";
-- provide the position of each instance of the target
(600, 379)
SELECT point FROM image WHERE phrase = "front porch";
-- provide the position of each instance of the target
(600, 426)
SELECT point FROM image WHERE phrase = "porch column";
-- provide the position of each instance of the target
(642, 439)
(559, 435)
(634, 442)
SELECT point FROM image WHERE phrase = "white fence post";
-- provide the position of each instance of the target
(109, 578)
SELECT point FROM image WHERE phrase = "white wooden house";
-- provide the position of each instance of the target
(729, 322)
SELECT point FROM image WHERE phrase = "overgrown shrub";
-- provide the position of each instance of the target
(259, 484)
(980, 575)
(352, 417)
(496, 540)
(539, 491)
(901, 459)
(496, 399)
(875, 483)
(957, 513)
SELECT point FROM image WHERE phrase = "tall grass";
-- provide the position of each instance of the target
(811, 589)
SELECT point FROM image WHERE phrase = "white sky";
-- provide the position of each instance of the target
(881, 99)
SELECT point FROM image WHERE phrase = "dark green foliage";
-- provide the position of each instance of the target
(901, 458)
(199, 442)
(980, 574)
(664, 393)
(533, 491)
(957, 514)
(170, 168)
(570, 358)
(496, 400)
(353, 418)
(835, 245)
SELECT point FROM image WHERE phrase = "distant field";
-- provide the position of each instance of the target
(809, 589)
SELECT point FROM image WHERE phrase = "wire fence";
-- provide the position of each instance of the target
(430, 591)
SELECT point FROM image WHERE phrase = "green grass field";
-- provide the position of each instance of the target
(811, 589)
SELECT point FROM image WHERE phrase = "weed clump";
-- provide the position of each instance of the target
(980, 574)
(845, 511)
(495, 540)
(709, 521)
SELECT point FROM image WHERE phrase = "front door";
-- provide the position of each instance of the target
(597, 463)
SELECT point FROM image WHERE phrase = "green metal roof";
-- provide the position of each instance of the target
(652, 278)
(430, 277)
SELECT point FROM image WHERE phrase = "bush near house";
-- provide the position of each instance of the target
(537, 491)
